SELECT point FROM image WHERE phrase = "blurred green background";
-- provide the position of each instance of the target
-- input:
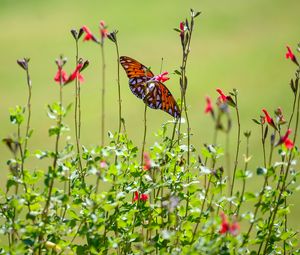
(236, 44)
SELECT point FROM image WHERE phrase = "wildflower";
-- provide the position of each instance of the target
(227, 227)
(162, 77)
(224, 224)
(147, 161)
(269, 119)
(222, 97)
(234, 228)
(290, 55)
(61, 76)
(181, 28)
(208, 107)
(103, 30)
(142, 197)
(286, 141)
(225, 99)
(88, 35)
(77, 74)
(103, 164)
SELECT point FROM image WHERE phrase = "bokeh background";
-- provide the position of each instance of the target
(236, 44)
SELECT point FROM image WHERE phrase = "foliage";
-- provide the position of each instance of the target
(176, 200)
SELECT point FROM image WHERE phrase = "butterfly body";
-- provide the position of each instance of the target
(142, 84)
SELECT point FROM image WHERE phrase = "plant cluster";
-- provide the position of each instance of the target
(170, 198)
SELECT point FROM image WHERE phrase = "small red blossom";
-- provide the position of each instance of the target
(290, 55)
(224, 224)
(181, 27)
(162, 77)
(269, 119)
(222, 99)
(227, 227)
(142, 197)
(61, 76)
(208, 107)
(103, 30)
(286, 141)
(182, 30)
(222, 96)
(234, 228)
(88, 34)
(77, 74)
(147, 161)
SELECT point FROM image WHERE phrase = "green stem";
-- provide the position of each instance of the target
(204, 200)
(144, 137)
(244, 178)
(263, 145)
(237, 147)
(103, 95)
(119, 89)
(77, 112)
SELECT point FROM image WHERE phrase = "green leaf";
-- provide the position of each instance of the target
(249, 196)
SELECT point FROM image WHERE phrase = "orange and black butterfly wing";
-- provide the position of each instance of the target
(159, 97)
(138, 75)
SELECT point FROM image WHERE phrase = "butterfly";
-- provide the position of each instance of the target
(143, 84)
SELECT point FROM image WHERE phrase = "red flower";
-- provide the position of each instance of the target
(162, 77)
(182, 30)
(226, 227)
(208, 107)
(290, 55)
(269, 119)
(88, 34)
(285, 139)
(61, 76)
(77, 74)
(224, 224)
(181, 27)
(234, 228)
(147, 161)
(222, 97)
(142, 197)
(103, 29)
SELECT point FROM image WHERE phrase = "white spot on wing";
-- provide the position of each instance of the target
(132, 81)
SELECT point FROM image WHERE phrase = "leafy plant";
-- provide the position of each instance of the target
(170, 198)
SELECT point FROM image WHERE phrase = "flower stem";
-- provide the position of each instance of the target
(263, 141)
(244, 178)
(29, 114)
(77, 116)
(144, 137)
(103, 95)
(119, 97)
(119, 89)
(237, 147)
